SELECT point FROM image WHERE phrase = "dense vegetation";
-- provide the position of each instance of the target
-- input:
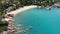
(38, 2)
(3, 24)
(4, 4)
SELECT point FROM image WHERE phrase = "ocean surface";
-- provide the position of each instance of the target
(43, 21)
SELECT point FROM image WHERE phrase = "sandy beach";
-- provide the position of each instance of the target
(15, 12)
(22, 9)
(11, 21)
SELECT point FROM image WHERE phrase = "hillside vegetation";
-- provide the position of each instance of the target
(15, 4)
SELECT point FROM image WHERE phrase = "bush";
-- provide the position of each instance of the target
(3, 25)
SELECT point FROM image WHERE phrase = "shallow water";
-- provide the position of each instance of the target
(43, 21)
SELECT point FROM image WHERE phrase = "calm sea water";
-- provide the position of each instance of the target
(43, 21)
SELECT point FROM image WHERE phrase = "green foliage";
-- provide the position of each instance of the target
(3, 25)
(20, 3)
(36, 2)
(0, 32)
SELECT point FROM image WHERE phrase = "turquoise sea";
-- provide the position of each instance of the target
(43, 21)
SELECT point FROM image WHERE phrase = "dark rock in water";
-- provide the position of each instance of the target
(49, 8)
(58, 6)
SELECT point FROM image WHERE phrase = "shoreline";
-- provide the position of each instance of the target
(11, 27)
(22, 9)
(15, 12)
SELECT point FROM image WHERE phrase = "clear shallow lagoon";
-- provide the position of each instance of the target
(43, 21)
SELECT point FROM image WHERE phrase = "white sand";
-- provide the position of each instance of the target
(22, 9)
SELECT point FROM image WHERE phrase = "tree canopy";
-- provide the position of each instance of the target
(4, 4)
